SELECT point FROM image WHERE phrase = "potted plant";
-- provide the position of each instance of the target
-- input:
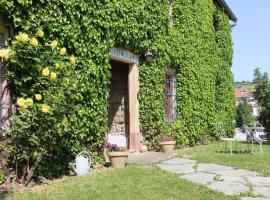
(167, 141)
(117, 155)
(167, 145)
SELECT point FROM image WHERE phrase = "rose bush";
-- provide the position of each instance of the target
(43, 77)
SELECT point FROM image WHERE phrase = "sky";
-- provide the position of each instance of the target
(251, 37)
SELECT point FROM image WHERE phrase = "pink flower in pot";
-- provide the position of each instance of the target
(117, 155)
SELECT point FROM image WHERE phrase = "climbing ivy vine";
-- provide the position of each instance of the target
(198, 46)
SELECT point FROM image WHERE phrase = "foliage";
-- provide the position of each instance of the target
(198, 47)
(2, 177)
(262, 94)
(224, 96)
(244, 114)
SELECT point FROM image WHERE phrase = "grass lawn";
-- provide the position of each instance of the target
(131, 183)
(208, 153)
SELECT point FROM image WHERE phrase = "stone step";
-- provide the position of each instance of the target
(149, 158)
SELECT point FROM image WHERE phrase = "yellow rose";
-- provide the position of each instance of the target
(22, 37)
(53, 76)
(57, 65)
(72, 60)
(40, 33)
(63, 51)
(21, 102)
(4, 53)
(34, 41)
(38, 97)
(17, 37)
(46, 71)
(54, 44)
(45, 108)
(29, 102)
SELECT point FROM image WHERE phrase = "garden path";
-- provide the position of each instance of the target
(228, 180)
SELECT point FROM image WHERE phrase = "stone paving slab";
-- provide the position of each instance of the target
(149, 158)
(211, 167)
(178, 169)
(179, 161)
(259, 181)
(233, 179)
(199, 177)
(229, 188)
(235, 173)
(265, 191)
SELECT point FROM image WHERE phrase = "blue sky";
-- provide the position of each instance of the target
(251, 37)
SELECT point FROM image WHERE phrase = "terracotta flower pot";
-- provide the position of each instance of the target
(118, 158)
(167, 146)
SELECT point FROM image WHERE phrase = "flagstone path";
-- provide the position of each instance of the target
(228, 180)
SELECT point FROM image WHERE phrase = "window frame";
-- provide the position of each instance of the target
(170, 96)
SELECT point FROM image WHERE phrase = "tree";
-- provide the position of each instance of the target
(262, 86)
(262, 94)
(257, 75)
(244, 114)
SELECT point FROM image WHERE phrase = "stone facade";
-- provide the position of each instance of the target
(118, 100)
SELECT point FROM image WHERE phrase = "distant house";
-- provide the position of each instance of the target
(244, 94)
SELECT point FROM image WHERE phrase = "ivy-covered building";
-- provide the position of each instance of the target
(145, 68)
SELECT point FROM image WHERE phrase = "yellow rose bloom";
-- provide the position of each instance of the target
(17, 37)
(29, 102)
(34, 41)
(63, 51)
(40, 33)
(46, 71)
(57, 65)
(45, 108)
(72, 60)
(4, 53)
(38, 97)
(21, 102)
(53, 76)
(54, 44)
(22, 37)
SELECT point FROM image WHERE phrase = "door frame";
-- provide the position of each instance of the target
(128, 57)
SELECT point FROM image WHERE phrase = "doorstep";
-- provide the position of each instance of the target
(149, 158)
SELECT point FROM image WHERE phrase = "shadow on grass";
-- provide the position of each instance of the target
(235, 152)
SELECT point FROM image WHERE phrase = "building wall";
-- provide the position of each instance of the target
(198, 47)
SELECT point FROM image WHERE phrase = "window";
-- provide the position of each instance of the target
(170, 96)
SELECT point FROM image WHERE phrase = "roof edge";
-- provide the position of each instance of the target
(227, 10)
